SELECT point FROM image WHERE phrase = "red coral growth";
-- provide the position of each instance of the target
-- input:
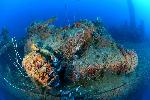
(37, 67)
(75, 43)
(77, 24)
(131, 61)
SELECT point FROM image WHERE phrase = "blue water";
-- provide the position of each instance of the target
(16, 15)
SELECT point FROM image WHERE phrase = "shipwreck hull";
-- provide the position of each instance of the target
(81, 61)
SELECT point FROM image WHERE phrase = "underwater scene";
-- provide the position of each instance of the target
(74, 50)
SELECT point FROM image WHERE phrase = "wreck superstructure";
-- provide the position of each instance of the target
(73, 61)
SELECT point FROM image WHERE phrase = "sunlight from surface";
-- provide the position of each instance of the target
(142, 9)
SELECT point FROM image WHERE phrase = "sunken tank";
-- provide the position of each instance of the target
(81, 60)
